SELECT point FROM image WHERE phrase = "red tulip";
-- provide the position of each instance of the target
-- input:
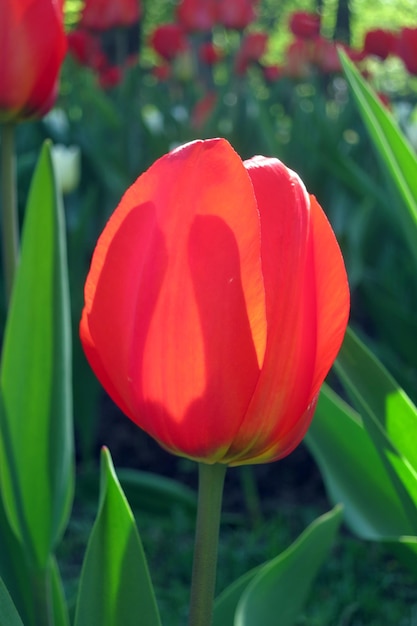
(406, 48)
(325, 55)
(197, 15)
(203, 110)
(215, 304)
(105, 14)
(299, 57)
(110, 76)
(209, 53)
(272, 73)
(33, 45)
(86, 48)
(236, 13)
(379, 42)
(252, 48)
(168, 40)
(305, 25)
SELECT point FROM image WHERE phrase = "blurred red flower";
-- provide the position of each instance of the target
(253, 46)
(105, 14)
(272, 72)
(379, 42)
(325, 55)
(197, 15)
(236, 14)
(168, 40)
(406, 48)
(203, 109)
(86, 49)
(298, 58)
(304, 24)
(209, 53)
(33, 45)
(216, 302)
(110, 76)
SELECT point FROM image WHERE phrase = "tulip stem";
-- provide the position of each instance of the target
(10, 236)
(42, 593)
(210, 492)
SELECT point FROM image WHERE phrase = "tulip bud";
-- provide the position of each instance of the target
(67, 167)
(215, 305)
(33, 45)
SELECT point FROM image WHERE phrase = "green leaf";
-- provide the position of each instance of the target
(115, 586)
(396, 154)
(225, 605)
(59, 604)
(14, 568)
(354, 472)
(36, 447)
(279, 590)
(388, 415)
(8, 613)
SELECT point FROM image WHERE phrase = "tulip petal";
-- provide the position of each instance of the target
(307, 307)
(175, 299)
(332, 293)
(283, 391)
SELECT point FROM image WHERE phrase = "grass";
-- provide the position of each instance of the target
(360, 585)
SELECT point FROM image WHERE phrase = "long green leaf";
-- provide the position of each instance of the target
(226, 603)
(19, 577)
(8, 613)
(115, 586)
(36, 449)
(396, 154)
(354, 472)
(279, 590)
(388, 415)
(14, 569)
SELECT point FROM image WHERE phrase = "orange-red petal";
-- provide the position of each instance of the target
(307, 307)
(175, 303)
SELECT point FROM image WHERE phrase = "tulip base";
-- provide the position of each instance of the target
(210, 493)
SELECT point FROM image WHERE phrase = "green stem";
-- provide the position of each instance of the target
(42, 595)
(210, 492)
(10, 236)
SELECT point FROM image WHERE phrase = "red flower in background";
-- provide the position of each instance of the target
(86, 49)
(216, 302)
(298, 58)
(209, 53)
(110, 76)
(252, 48)
(406, 48)
(197, 15)
(203, 109)
(304, 24)
(169, 40)
(105, 14)
(272, 72)
(325, 55)
(305, 55)
(380, 43)
(236, 14)
(33, 45)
